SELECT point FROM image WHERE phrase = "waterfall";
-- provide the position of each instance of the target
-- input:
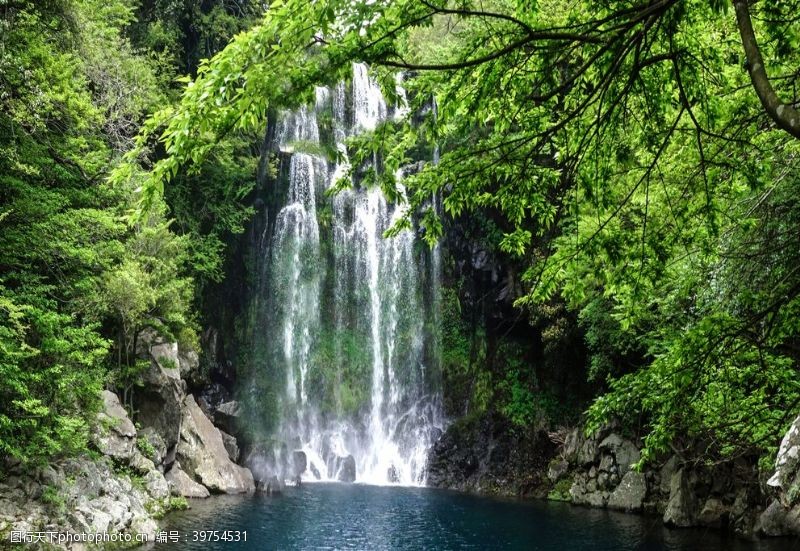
(347, 308)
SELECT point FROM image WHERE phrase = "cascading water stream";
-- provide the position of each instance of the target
(347, 322)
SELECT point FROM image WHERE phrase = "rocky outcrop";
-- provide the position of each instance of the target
(116, 434)
(160, 402)
(231, 446)
(600, 470)
(125, 489)
(226, 415)
(120, 492)
(485, 455)
(79, 495)
(203, 455)
(782, 516)
(601, 464)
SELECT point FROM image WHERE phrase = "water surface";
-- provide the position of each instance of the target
(354, 516)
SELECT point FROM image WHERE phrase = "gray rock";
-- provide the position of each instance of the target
(299, 462)
(787, 465)
(607, 463)
(188, 363)
(346, 469)
(680, 509)
(140, 463)
(180, 484)
(611, 442)
(116, 415)
(772, 521)
(578, 491)
(792, 520)
(143, 524)
(604, 480)
(101, 522)
(630, 494)
(146, 338)
(202, 453)
(231, 446)
(557, 468)
(666, 472)
(156, 485)
(116, 435)
(166, 356)
(572, 445)
(713, 513)
(157, 443)
(597, 499)
(587, 453)
(160, 405)
(227, 416)
(625, 452)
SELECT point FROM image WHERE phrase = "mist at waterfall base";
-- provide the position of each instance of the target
(347, 516)
(344, 310)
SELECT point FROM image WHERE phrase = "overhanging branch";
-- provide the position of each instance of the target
(784, 114)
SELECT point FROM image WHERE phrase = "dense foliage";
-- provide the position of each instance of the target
(640, 158)
(637, 160)
(78, 281)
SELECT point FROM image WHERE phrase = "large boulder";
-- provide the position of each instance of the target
(624, 451)
(630, 494)
(156, 485)
(345, 469)
(202, 453)
(557, 468)
(231, 446)
(782, 517)
(116, 436)
(189, 365)
(226, 416)
(180, 484)
(680, 509)
(665, 474)
(772, 521)
(160, 404)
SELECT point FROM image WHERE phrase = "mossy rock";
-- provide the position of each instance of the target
(560, 491)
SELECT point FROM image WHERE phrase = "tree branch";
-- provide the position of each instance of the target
(784, 114)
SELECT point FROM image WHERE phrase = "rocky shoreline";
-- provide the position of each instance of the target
(178, 449)
(486, 455)
(136, 472)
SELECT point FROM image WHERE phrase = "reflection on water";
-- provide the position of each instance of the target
(342, 516)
